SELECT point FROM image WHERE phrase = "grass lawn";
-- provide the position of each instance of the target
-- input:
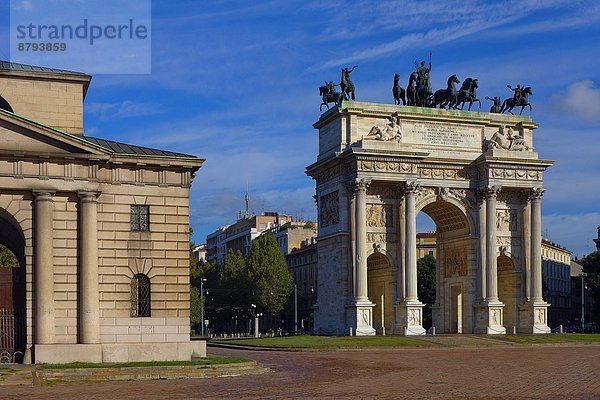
(551, 338)
(208, 361)
(324, 342)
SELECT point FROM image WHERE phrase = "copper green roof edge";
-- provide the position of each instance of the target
(82, 139)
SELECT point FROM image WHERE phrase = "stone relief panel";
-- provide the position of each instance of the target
(447, 173)
(387, 166)
(391, 132)
(414, 317)
(506, 220)
(381, 237)
(330, 209)
(379, 215)
(455, 262)
(515, 174)
(384, 191)
(507, 139)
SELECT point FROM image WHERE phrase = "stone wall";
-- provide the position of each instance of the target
(56, 104)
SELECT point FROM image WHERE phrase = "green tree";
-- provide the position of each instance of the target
(267, 274)
(591, 267)
(426, 286)
(7, 258)
(195, 306)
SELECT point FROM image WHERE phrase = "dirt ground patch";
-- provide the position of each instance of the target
(498, 372)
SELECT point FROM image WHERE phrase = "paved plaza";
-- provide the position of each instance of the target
(490, 372)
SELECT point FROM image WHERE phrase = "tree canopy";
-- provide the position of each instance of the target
(267, 274)
(591, 267)
(426, 286)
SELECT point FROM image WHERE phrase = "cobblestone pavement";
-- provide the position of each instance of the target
(544, 372)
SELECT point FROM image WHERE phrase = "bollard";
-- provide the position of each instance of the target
(350, 331)
(433, 331)
(514, 330)
(560, 329)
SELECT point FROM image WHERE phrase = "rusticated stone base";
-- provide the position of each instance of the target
(409, 318)
(359, 315)
(533, 317)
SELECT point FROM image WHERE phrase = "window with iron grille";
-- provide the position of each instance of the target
(140, 218)
(140, 296)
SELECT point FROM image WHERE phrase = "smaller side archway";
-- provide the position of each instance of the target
(508, 289)
(379, 278)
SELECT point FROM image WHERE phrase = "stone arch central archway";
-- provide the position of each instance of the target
(455, 264)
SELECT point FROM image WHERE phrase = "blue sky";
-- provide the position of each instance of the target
(237, 83)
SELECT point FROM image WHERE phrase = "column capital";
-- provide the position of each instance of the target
(490, 192)
(88, 196)
(532, 194)
(43, 194)
(536, 193)
(411, 187)
(359, 185)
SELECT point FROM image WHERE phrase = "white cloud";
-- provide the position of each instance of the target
(23, 5)
(124, 109)
(581, 99)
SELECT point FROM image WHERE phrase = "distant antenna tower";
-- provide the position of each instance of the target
(247, 198)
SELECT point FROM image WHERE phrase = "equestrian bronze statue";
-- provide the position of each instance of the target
(329, 95)
(519, 99)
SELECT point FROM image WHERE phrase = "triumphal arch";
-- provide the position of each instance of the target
(479, 179)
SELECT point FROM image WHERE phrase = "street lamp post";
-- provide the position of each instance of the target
(295, 309)
(202, 308)
(256, 317)
(582, 275)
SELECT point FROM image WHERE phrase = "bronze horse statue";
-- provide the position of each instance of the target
(468, 93)
(398, 91)
(329, 95)
(447, 97)
(522, 101)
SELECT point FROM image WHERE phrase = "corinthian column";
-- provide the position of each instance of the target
(360, 204)
(44, 268)
(481, 220)
(88, 277)
(536, 243)
(491, 261)
(411, 242)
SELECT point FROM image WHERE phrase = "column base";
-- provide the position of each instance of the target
(359, 315)
(489, 318)
(533, 317)
(409, 318)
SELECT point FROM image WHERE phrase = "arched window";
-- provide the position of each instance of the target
(140, 296)
(4, 105)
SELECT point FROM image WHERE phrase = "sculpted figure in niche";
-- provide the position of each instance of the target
(507, 140)
(506, 220)
(390, 133)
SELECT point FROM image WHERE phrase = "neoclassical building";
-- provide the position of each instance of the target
(100, 229)
(479, 179)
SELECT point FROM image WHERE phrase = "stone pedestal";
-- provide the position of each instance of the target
(489, 318)
(359, 315)
(533, 317)
(409, 318)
